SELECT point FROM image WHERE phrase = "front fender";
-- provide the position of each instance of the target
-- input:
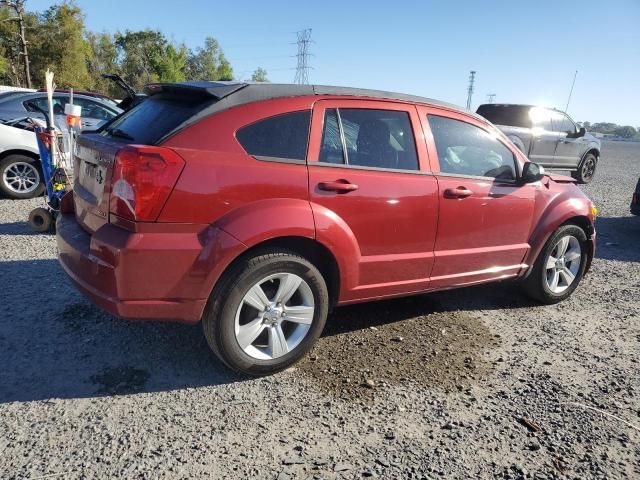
(564, 207)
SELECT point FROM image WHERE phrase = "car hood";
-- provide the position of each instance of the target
(561, 178)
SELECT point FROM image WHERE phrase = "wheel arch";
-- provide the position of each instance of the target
(310, 249)
(17, 151)
(565, 212)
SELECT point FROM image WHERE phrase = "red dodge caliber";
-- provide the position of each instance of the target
(256, 208)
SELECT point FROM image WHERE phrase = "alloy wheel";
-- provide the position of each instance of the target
(21, 177)
(274, 316)
(563, 264)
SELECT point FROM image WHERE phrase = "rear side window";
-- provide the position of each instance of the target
(464, 149)
(369, 138)
(154, 118)
(282, 136)
(512, 115)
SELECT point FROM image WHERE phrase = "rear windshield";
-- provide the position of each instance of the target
(154, 118)
(511, 115)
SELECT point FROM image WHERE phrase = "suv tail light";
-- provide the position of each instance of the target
(143, 178)
(635, 200)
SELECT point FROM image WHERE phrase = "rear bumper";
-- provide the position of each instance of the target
(160, 276)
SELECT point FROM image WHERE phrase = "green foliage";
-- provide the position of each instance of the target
(57, 39)
(259, 75)
(60, 46)
(208, 63)
(625, 132)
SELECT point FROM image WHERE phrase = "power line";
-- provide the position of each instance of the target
(472, 79)
(491, 97)
(302, 69)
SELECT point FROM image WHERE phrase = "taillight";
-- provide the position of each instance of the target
(635, 200)
(143, 178)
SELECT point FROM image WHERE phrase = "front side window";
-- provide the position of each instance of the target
(464, 149)
(282, 136)
(562, 123)
(369, 138)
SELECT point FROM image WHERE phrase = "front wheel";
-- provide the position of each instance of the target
(266, 313)
(559, 267)
(20, 177)
(587, 169)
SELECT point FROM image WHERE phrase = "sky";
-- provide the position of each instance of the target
(522, 51)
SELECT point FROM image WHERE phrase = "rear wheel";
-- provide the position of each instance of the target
(20, 177)
(266, 312)
(559, 267)
(586, 169)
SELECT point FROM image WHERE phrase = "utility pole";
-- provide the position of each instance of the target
(491, 97)
(472, 79)
(302, 69)
(18, 7)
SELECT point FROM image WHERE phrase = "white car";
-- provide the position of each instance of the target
(20, 170)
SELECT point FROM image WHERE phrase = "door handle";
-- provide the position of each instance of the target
(338, 186)
(459, 192)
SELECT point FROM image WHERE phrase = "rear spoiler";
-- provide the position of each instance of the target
(217, 90)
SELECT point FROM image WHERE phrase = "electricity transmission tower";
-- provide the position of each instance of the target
(302, 69)
(491, 97)
(472, 79)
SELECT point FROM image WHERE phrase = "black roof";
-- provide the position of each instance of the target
(231, 94)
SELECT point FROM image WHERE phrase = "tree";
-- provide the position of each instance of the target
(140, 54)
(103, 58)
(208, 63)
(17, 6)
(59, 45)
(259, 75)
(625, 132)
(172, 65)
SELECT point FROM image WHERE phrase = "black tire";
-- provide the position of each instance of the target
(587, 169)
(535, 285)
(218, 319)
(10, 192)
(41, 220)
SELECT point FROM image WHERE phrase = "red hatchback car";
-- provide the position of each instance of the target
(256, 208)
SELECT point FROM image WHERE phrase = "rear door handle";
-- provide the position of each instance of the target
(459, 192)
(338, 186)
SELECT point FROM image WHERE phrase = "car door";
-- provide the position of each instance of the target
(544, 139)
(368, 171)
(569, 149)
(485, 215)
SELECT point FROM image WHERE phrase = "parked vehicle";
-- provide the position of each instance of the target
(635, 200)
(20, 173)
(548, 137)
(95, 111)
(257, 208)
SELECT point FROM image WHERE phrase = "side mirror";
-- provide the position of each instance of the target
(581, 132)
(532, 172)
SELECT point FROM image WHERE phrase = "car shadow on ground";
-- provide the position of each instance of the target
(618, 238)
(55, 344)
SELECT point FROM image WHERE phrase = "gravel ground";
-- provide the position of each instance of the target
(473, 383)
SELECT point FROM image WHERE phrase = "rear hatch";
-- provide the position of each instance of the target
(112, 152)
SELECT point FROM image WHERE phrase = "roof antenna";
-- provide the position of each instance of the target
(571, 91)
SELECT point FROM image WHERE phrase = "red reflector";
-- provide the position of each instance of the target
(143, 178)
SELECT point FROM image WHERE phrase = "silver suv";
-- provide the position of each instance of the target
(547, 136)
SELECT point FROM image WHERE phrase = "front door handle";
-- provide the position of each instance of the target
(338, 186)
(459, 192)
